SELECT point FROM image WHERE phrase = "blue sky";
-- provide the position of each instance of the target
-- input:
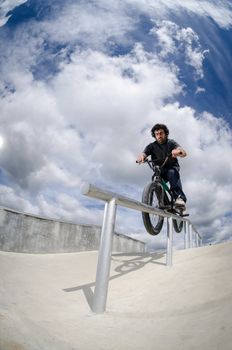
(81, 85)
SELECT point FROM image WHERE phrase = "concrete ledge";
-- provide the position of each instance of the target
(27, 233)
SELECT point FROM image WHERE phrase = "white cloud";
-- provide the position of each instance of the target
(70, 208)
(78, 23)
(103, 26)
(220, 11)
(16, 199)
(199, 90)
(174, 40)
(6, 6)
(123, 91)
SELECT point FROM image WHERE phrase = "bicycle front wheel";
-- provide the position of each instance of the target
(153, 194)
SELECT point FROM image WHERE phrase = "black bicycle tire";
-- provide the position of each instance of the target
(178, 225)
(150, 189)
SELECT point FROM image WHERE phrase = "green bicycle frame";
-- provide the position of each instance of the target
(165, 186)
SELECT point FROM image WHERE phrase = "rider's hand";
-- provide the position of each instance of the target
(178, 152)
(175, 153)
(141, 158)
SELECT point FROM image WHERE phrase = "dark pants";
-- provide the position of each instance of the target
(172, 176)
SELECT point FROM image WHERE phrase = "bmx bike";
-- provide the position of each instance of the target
(158, 194)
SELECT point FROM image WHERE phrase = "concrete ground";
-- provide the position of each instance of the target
(45, 301)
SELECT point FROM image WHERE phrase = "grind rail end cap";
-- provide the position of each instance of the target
(85, 188)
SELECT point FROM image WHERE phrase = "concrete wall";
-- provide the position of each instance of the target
(26, 233)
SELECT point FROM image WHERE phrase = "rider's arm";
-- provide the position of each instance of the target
(141, 158)
(179, 152)
(146, 153)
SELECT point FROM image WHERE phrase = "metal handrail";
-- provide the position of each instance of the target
(105, 250)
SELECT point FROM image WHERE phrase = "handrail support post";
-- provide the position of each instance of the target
(190, 236)
(169, 241)
(186, 234)
(104, 257)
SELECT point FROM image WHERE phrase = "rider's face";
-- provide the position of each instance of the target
(160, 136)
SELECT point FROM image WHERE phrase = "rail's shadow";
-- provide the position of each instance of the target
(127, 266)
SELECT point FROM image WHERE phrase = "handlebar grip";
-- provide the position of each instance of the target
(145, 161)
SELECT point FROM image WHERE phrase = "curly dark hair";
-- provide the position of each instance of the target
(158, 127)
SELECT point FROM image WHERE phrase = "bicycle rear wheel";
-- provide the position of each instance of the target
(178, 225)
(153, 194)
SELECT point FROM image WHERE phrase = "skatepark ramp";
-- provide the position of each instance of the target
(45, 301)
(104, 259)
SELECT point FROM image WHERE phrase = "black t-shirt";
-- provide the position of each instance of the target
(159, 152)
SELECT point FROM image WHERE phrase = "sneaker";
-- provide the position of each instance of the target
(180, 203)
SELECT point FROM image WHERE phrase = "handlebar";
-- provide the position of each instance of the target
(152, 164)
(169, 156)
